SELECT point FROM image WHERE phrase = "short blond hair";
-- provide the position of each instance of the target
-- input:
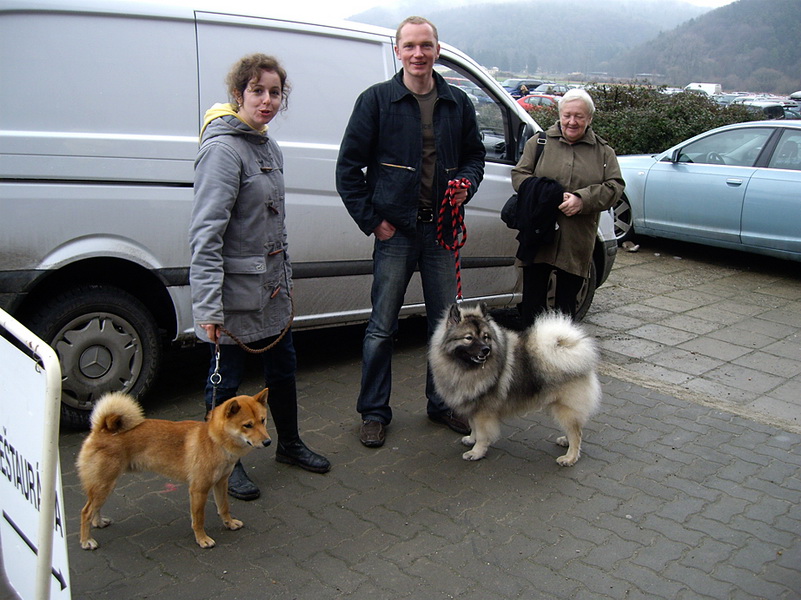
(416, 21)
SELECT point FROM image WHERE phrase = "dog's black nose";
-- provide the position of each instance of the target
(266, 442)
(485, 350)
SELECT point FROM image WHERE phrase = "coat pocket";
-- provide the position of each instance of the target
(395, 185)
(244, 283)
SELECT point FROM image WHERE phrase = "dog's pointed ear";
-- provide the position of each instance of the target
(483, 307)
(232, 408)
(261, 397)
(455, 315)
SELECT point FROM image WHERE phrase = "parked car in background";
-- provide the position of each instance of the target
(710, 89)
(765, 109)
(474, 92)
(538, 101)
(727, 98)
(553, 89)
(735, 187)
(515, 86)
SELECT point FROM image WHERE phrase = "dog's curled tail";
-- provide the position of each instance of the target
(562, 346)
(116, 412)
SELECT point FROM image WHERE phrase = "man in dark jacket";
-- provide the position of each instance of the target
(413, 134)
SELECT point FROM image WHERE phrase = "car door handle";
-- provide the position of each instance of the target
(734, 182)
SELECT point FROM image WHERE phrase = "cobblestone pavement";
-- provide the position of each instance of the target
(688, 486)
(712, 326)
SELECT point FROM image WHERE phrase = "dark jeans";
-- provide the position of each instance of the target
(279, 365)
(394, 262)
(536, 278)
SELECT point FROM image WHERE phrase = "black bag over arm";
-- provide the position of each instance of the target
(509, 210)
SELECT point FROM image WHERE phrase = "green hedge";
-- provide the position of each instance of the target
(637, 119)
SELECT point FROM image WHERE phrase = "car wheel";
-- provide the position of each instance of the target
(106, 340)
(624, 223)
(584, 297)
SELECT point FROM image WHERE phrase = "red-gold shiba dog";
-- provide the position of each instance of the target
(203, 454)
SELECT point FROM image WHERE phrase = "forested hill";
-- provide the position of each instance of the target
(746, 45)
(749, 44)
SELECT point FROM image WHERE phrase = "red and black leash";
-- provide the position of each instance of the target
(457, 223)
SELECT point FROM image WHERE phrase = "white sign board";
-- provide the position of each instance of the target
(32, 521)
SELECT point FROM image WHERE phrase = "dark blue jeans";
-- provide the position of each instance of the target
(394, 262)
(279, 364)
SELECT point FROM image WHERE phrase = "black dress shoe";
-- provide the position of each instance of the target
(296, 453)
(372, 433)
(453, 421)
(240, 486)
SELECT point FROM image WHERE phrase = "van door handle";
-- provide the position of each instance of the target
(734, 182)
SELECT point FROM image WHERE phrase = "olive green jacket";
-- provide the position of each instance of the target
(587, 168)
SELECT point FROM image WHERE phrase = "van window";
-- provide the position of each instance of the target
(489, 112)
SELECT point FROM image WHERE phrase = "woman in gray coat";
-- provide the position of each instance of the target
(240, 274)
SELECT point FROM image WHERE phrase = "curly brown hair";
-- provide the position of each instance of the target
(248, 68)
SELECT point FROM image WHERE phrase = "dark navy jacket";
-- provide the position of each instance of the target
(384, 134)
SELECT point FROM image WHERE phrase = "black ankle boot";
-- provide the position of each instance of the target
(296, 453)
(283, 401)
(240, 486)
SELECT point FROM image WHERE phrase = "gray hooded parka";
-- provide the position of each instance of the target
(240, 274)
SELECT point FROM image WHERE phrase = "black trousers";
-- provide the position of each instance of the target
(535, 291)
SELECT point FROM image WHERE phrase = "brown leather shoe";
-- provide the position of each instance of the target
(452, 420)
(372, 434)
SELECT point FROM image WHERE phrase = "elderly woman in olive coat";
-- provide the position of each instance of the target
(586, 167)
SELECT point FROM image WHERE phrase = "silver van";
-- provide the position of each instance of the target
(100, 108)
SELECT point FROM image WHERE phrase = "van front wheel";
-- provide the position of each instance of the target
(105, 339)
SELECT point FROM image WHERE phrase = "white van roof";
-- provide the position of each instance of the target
(185, 9)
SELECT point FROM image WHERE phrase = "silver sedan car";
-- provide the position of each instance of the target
(737, 186)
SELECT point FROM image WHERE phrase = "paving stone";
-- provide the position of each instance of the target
(687, 487)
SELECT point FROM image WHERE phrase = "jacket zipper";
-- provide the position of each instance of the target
(399, 166)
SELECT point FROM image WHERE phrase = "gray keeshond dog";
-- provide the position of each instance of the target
(485, 372)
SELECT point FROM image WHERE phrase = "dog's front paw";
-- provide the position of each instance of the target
(562, 441)
(567, 460)
(90, 544)
(473, 455)
(468, 440)
(233, 524)
(205, 541)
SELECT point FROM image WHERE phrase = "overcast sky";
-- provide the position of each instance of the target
(329, 9)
